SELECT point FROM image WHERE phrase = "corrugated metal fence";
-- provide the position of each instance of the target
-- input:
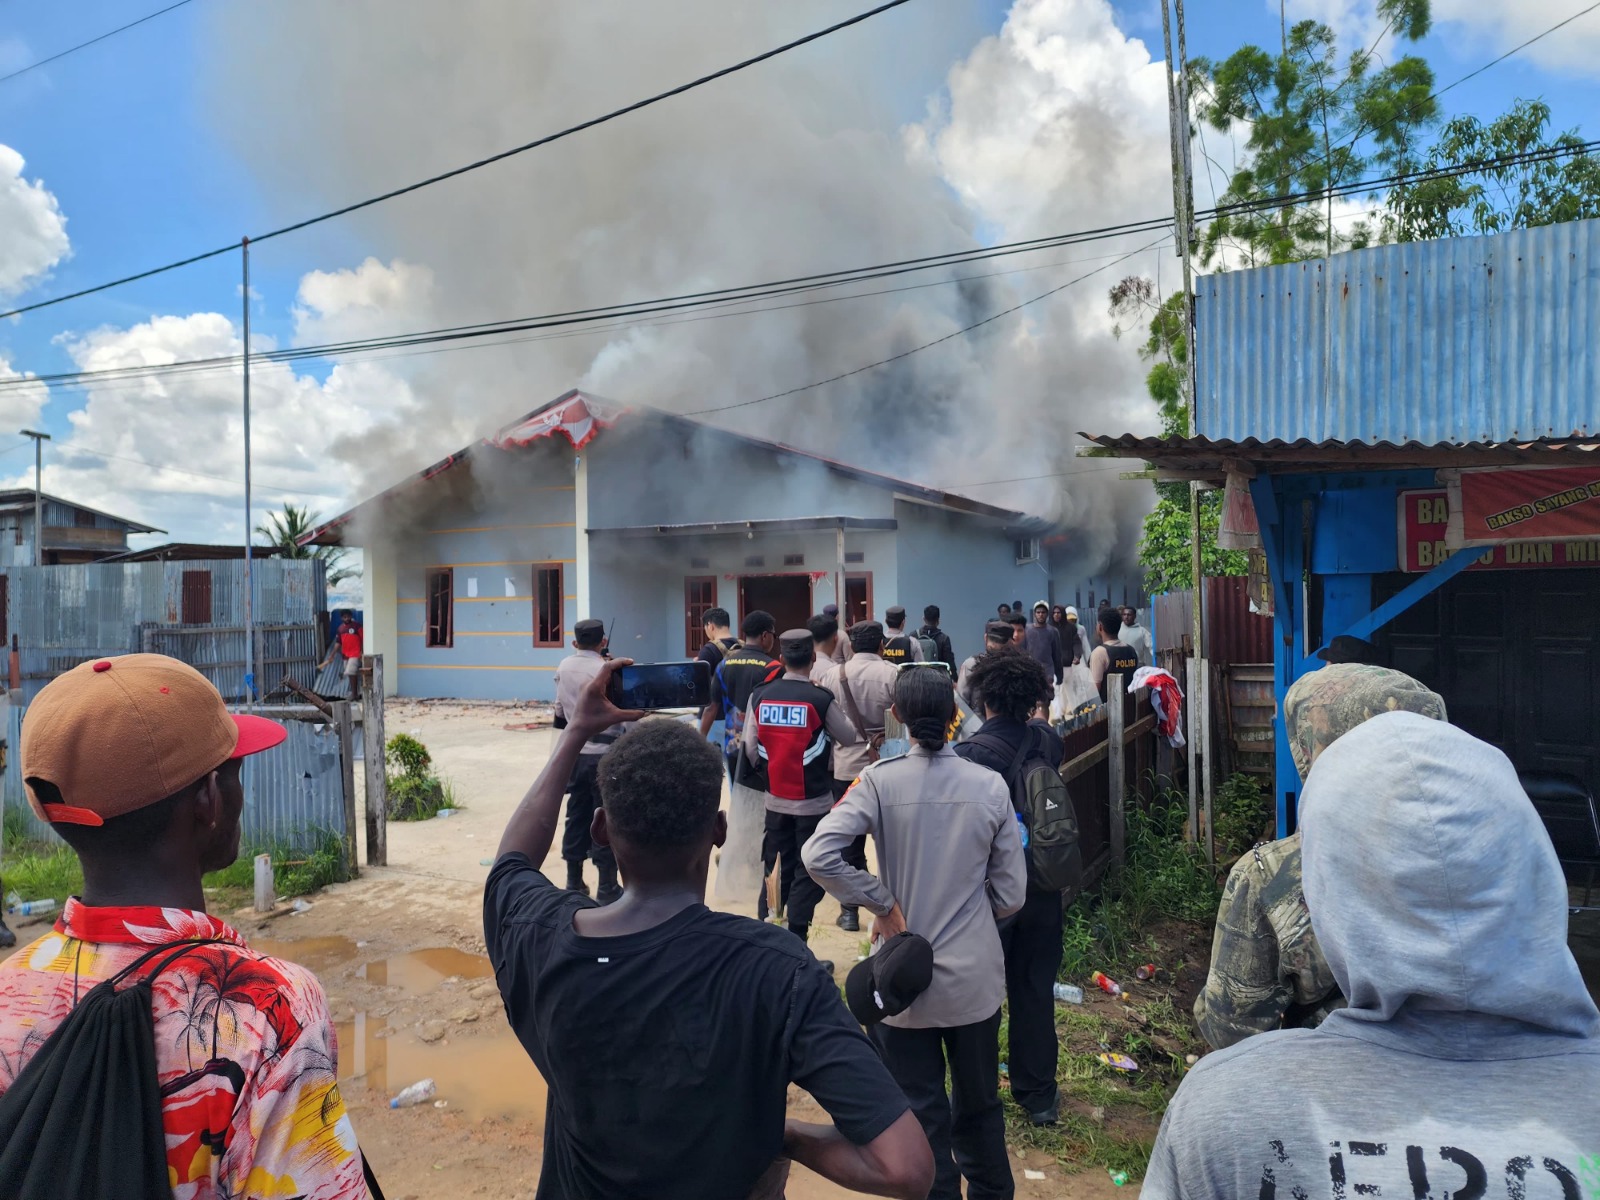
(64, 615)
(292, 793)
(1234, 634)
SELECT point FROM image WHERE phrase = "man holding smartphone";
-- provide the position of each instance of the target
(583, 791)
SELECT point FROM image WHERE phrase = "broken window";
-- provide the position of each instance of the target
(197, 597)
(549, 594)
(439, 587)
(699, 598)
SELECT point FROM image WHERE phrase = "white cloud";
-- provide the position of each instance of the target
(372, 300)
(169, 450)
(35, 237)
(1495, 28)
(19, 406)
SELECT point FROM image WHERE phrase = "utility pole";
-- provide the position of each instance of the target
(39, 439)
(249, 524)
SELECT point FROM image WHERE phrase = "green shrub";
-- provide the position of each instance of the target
(1241, 810)
(416, 797)
(296, 869)
(408, 756)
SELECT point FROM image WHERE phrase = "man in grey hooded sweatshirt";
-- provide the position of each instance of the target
(1468, 1059)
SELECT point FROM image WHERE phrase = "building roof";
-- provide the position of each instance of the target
(192, 552)
(15, 500)
(1468, 339)
(579, 417)
(1211, 458)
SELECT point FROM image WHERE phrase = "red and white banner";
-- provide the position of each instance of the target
(577, 418)
(1424, 544)
(1538, 504)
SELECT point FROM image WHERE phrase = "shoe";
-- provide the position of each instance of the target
(608, 891)
(1047, 1116)
(7, 938)
(575, 881)
(849, 920)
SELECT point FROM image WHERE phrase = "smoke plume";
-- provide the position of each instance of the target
(806, 163)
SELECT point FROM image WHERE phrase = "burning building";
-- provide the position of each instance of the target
(478, 567)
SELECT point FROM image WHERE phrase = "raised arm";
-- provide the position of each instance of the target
(532, 828)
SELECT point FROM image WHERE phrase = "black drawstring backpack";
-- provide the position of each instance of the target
(83, 1119)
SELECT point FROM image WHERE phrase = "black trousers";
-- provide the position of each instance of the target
(856, 852)
(1032, 942)
(583, 797)
(783, 839)
(966, 1128)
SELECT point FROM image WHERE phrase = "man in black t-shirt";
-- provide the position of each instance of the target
(669, 1034)
(719, 637)
(1111, 656)
(739, 673)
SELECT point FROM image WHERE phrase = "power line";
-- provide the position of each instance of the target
(92, 41)
(883, 362)
(614, 312)
(744, 64)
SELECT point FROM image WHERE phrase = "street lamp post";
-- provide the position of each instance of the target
(39, 439)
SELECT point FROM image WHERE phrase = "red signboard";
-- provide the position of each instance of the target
(1425, 515)
(1544, 504)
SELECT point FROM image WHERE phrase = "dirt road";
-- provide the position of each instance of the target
(400, 953)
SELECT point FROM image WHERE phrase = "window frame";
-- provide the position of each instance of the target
(439, 635)
(694, 612)
(539, 612)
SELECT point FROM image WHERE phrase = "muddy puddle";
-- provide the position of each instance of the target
(479, 1068)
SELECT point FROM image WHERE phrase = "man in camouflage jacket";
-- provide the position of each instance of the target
(1267, 970)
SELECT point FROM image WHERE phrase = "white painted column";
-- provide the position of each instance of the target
(580, 521)
(380, 604)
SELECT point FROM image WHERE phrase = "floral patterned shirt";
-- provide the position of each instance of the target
(245, 1050)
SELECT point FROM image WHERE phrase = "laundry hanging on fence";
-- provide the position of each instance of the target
(1165, 698)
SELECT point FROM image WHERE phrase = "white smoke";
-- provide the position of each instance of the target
(1057, 122)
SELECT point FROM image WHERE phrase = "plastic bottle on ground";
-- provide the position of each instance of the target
(1106, 984)
(33, 908)
(1066, 993)
(417, 1093)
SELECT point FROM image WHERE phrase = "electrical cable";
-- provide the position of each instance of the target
(883, 362)
(92, 41)
(393, 193)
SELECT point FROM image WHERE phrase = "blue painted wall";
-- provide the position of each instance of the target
(488, 521)
(965, 565)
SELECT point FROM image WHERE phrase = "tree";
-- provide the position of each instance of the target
(1509, 195)
(284, 530)
(1165, 546)
(1315, 124)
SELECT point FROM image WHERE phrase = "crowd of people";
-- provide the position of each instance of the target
(1392, 1000)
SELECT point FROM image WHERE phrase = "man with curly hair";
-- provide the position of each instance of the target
(669, 1034)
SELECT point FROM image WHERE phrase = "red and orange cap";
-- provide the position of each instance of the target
(116, 735)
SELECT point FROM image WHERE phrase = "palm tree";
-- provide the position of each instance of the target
(284, 530)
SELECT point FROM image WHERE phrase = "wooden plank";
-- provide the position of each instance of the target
(1116, 718)
(1084, 763)
(345, 724)
(372, 748)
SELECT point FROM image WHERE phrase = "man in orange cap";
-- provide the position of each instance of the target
(135, 761)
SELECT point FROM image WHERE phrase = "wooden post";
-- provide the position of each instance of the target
(344, 722)
(266, 892)
(1192, 704)
(372, 745)
(1203, 671)
(1117, 762)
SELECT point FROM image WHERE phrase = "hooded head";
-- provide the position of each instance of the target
(1325, 705)
(1433, 887)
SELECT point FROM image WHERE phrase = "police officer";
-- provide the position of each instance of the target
(788, 728)
(1111, 657)
(1267, 970)
(583, 790)
(743, 668)
(899, 646)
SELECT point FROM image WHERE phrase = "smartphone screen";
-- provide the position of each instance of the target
(662, 685)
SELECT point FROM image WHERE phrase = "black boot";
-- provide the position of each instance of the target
(609, 891)
(7, 938)
(575, 881)
(849, 919)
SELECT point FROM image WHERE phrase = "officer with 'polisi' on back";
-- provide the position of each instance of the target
(789, 727)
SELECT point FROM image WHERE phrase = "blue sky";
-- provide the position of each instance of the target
(124, 135)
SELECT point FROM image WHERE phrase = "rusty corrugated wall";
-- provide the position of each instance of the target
(1234, 634)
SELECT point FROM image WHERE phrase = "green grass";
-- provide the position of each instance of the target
(37, 870)
(419, 797)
